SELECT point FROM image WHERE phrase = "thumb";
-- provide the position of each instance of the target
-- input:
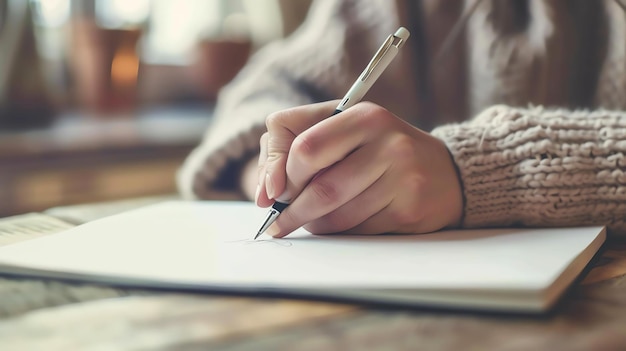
(283, 127)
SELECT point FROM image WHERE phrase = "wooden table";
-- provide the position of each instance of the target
(82, 158)
(52, 315)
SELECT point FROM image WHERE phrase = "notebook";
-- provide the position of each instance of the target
(208, 247)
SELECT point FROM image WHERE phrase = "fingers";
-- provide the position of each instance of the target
(420, 191)
(332, 188)
(356, 211)
(283, 127)
(330, 141)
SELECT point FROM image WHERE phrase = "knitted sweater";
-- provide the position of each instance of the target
(528, 95)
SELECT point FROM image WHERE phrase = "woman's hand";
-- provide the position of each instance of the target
(363, 171)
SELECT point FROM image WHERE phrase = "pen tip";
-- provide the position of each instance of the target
(271, 217)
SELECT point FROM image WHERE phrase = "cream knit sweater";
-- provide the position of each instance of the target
(547, 141)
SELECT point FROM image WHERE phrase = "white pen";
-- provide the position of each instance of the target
(374, 69)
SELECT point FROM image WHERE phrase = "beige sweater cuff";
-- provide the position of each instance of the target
(539, 167)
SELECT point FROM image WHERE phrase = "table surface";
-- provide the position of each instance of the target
(52, 315)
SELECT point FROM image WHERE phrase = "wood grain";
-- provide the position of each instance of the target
(163, 321)
(612, 264)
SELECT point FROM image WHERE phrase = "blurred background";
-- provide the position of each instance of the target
(102, 99)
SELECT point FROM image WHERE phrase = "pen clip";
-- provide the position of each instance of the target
(391, 40)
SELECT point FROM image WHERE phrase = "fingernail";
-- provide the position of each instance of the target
(269, 188)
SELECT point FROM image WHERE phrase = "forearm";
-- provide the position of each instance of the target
(539, 167)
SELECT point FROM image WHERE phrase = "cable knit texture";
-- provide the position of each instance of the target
(560, 163)
(538, 167)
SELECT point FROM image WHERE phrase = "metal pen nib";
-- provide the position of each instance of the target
(276, 209)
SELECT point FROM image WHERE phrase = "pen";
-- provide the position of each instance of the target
(374, 69)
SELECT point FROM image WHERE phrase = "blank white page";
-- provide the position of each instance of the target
(210, 244)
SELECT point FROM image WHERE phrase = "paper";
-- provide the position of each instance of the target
(208, 244)
(28, 226)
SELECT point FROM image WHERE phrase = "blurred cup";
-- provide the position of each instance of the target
(105, 66)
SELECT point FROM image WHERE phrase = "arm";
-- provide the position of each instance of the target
(318, 62)
(540, 167)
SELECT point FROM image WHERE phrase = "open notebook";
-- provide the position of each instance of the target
(207, 246)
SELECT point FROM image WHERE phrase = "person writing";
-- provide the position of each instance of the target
(526, 98)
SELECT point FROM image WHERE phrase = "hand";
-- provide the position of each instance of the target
(362, 171)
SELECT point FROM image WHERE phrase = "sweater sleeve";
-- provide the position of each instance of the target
(317, 62)
(541, 167)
